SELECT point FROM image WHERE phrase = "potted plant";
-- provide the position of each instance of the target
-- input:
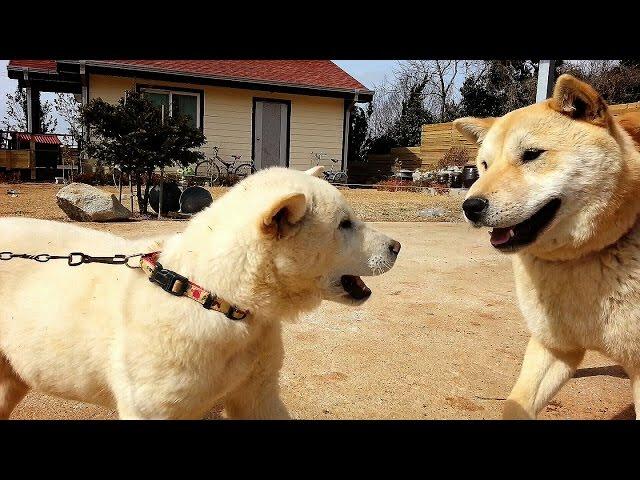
(185, 174)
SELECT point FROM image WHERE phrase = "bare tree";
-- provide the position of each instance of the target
(69, 108)
(495, 87)
(442, 82)
(398, 111)
(16, 115)
(385, 108)
(419, 91)
(618, 81)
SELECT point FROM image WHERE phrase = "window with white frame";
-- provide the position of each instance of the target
(176, 102)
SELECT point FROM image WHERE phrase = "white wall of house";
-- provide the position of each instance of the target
(316, 122)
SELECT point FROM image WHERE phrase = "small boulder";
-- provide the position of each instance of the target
(435, 212)
(84, 203)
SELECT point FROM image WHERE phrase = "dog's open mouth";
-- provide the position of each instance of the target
(355, 287)
(524, 233)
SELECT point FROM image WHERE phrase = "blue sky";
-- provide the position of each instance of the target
(368, 72)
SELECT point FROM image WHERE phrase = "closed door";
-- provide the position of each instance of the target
(271, 133)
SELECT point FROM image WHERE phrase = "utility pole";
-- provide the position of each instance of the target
(546, 79)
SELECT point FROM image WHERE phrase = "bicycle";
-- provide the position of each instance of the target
(334, 177)
(210, 169)
(245, 169)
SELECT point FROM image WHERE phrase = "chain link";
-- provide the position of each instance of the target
(74, 259)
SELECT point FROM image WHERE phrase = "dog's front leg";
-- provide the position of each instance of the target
(258, 395)
(635, 389)
(259, 398)
(127, 411)
(12, 389)
(130, 413)
(544, 371)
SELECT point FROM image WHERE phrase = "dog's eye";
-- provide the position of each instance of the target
(484, 165)
(531, 154)
(344, 224)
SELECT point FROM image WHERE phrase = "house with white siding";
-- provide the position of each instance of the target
(275, 111)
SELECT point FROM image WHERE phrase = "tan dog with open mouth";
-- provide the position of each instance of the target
(560, 186)
(275, 245)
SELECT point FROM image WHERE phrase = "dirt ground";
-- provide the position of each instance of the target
(441, 337)
(38, 200)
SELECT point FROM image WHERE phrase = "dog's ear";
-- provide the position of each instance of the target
(315, 171)
(283, 214)
(472, 128)
(579, 100)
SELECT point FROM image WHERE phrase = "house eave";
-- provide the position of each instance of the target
(44, 80)
(98, 66)
(16, 72)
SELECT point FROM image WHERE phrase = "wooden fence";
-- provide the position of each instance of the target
(624, 108)
(18, 159)
(436, 140)
(379, 166)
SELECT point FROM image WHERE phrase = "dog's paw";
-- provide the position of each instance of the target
(512, 410)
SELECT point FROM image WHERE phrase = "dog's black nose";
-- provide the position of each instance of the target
(474, 207)
(394, 247)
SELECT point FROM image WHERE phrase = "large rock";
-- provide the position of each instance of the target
(85, 203)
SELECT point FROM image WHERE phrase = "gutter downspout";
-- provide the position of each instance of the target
(347, 124)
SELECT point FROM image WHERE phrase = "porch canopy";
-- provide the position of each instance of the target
(37, 76)
(43, 138)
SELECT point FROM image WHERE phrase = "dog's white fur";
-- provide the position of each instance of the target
(104, 334)
(578, 284)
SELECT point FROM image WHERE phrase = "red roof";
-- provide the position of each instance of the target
(43, 65)
(39, 138)
(304, 73)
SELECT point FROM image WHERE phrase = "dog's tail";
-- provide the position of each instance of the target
(631, 123)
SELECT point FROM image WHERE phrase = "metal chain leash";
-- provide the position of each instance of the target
(74, 259)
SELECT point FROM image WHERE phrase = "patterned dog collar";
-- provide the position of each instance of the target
(177, 285)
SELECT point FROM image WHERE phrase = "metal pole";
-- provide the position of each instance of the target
(160, 199)
(84, 82)
(546, 79)
(161, 177)
(120, 187)
(30, 112)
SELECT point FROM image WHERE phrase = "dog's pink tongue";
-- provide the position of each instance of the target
(500, 236)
